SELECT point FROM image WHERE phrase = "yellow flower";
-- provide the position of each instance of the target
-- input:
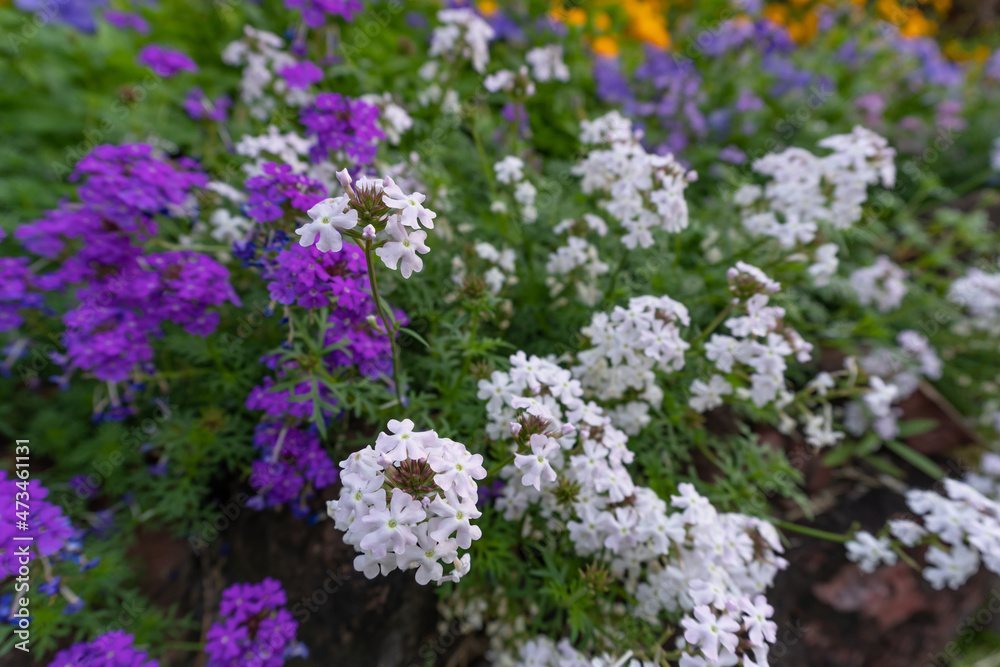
(605, 46)
(487, 7)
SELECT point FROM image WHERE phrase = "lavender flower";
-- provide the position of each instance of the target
(164, 62)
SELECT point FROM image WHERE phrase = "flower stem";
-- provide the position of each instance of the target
(390, 325)
(811, 532)
(712, 325)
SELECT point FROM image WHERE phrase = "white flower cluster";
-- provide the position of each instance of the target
(547, 63)
(544, 652)
(644, 191)
(628, 347)
(576, 264)
(393, 119)
(978, 292)
(571, 462)
(510, 172)
(805, 190)
(289, 148)
(396, 232)
(882, 284)
(408, 503)
(501, 271)
(986, 480)
(722, 632)
(261, 54)
(961, 529)
(966, 528)
(517, 83)
(760, 341)
(463, 35)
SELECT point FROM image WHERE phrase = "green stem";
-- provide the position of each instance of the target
(500, 466)
(811, 532)
(614, 276)
(712, 325)
(389, 325)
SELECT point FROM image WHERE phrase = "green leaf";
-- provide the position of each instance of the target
(912, 427)
(916, 459)
(415, 335)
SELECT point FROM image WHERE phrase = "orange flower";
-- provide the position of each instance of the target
(605, 46)
(487, 7)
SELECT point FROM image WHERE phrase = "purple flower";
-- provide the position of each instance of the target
(254, 627)
(164, 62)
(279, 185)
(45, 523)
(126, 21)
(301, 75)
(78, 14)
(124, 295)
(315, 12)
(341, 124)
(199, 107)
(113, 649)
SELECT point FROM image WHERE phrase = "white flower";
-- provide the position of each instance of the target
(950, 569)
(536, 466)
(403, 248)
(391, 524)
(705, 397)
(869, 551)
(227, 227)
(881, 396)
(509, 170)
(428, 516)
(547, 63)
(327, 217)
(411, 210)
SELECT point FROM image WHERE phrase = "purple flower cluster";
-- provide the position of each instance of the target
(177, 286)
(674, 97)
(16, 291)
(77, 14)
(341, 124)
(45, 523)
(278, 185)
(763, 35)
(127, 21)
(124, 294)
(164, 62)
(314, 279)
(315, 12)
(199, 107)
(113, 649)
(934, 68)
(255, 628)
(293, 465)
(301, 75)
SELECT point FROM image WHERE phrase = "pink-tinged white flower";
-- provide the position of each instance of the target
(392, 524)
(404, 443)
(403, 248)
(328, 216)
(705, 397)
(535, 466)
(432, 482)
(410, 206)
(710, 632)
(426, 555)
(454, 518)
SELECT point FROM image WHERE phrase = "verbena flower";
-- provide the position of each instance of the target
(408, 503)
